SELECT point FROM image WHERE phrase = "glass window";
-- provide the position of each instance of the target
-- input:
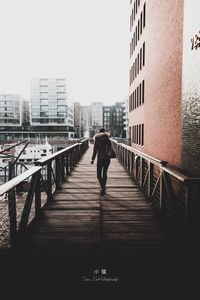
(44, 107)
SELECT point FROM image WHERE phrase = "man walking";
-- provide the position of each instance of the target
(101, 141)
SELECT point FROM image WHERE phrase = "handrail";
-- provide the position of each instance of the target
(175, 174)
(22, 199)
(10, 168)
(51, 157)
(15, 144)
(174, 194)
(17, 180)
(140, 153)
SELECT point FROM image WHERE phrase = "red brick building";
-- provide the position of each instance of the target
(160, 92)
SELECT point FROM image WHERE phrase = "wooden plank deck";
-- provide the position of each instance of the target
(82, 232)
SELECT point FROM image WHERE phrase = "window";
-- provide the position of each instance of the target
(143, 88)
(140, 90)
(143, 50)
(130, 98)
(136, 38)
(144, 15)
(44, 107)
(135, 68)
(142, 138)
(140, 59)
(135, 98)
(137, 134)
(44, 101)
(44, 114)
(141, 23)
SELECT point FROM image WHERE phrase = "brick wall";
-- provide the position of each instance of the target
(161, 112)
(190, 131)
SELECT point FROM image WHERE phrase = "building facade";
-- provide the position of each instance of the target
(113, 119)
(125, 118)
(77, 114)
(10, 114)
(97, 115)
(163, 121)
(10, 110)
(50, 109)
(85, 122)
(26, 113)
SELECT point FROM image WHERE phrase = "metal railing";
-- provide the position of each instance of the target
(13, 166)
(175, 195)
(23, 197)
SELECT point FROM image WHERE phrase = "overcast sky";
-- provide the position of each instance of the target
(84, 41)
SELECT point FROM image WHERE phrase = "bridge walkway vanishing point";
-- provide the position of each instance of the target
(117, 238)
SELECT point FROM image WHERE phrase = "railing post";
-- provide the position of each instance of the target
(150, 179)
(28, 203)
(12, 215)
(162, 199)
(73, 158)
(142, 171)
(10, 170)
(38, 194)
(59, 171)
(49, 183)
(135, 167)
(129, 165)
(67, 163)
(70, 160)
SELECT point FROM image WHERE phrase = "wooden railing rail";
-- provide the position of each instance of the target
(22, 198)
(175, 195)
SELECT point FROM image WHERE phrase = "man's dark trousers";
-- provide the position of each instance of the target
(102, 168)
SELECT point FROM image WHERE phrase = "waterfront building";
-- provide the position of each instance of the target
(77, 115)
(85, 121)
(50, 109)
(96, 115)
(26, 113)
(10, 111)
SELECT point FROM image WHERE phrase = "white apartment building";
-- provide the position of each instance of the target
(10, 110)
(97, 115)
(84, 121)
(49, 105)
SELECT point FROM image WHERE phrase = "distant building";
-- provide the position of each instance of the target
(10, 115)
(10, 111)
(50, 110)
(96, 115)
(113, 119)
(25, 113)
(77, 122)
(108, 117)
(85, 122)
(70, 113)
(118, 121)
(125, 118)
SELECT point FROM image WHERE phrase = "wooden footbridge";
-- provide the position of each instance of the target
(65, 231)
